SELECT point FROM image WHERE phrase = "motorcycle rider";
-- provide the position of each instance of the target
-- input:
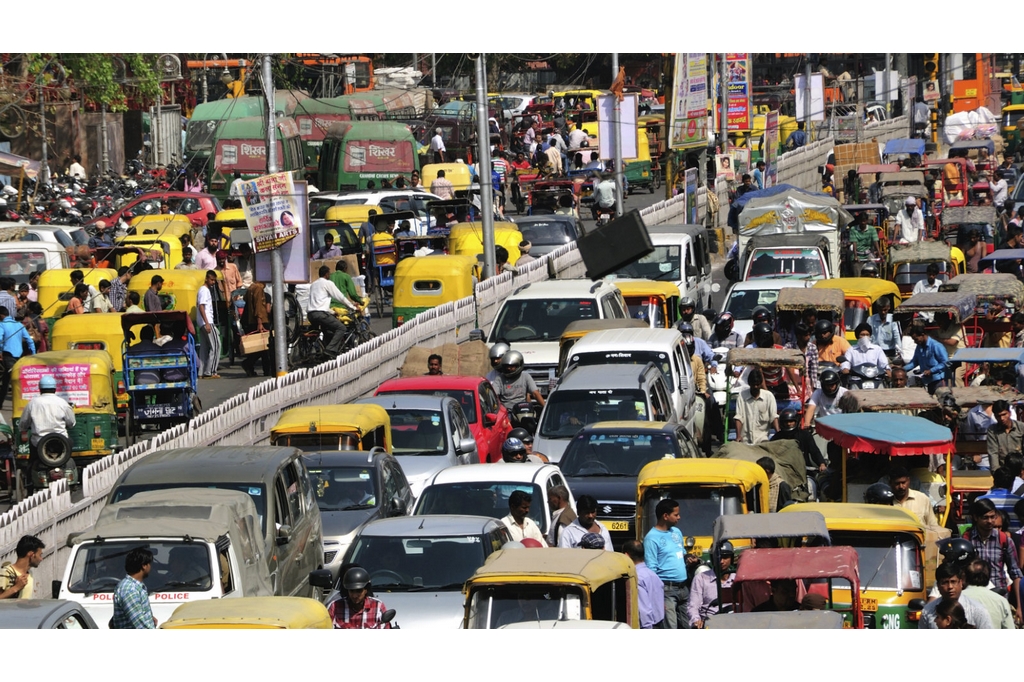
(495, 354)
(704, 587)
(788, 430)
(865, 353)
(514, 451)
(830, 346)
(527, 440)
(701, 349)
(724, 336)
(688, 313)
(357, 610)
(762, 315)
(712, 415)
(604, 195)
(514, 385)
(825, 400)
(775, 378)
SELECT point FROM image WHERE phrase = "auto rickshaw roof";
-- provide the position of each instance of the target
(1000, 254)
(969, 396)
(99, 361)
(904, 145)
(903, 178)
(798, 562)
(766, 357)
(361, 419)
(920, 252)
(701, 471)
(983, 143)
(887, 399)
(646, 287)
(885, 434)
(437, 265)
(865, 168)
(160, 222)
(251, 612)
(856, 287)
(476, 228)
(583, 566)
(94, 324)
(857, 516)
(796, 299)
(760, 526)
(583, 327)
(995, 286)
(971, 481)
(966, 215)
(955, 303)
(57, 277)
(230, 217)
(780, 620)
(349, 213)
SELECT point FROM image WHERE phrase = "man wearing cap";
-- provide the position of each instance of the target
(437, 147)
(47, 413)
(524, 253)
(101, 240)
(910, 221)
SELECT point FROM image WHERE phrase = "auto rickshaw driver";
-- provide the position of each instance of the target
(46, 414)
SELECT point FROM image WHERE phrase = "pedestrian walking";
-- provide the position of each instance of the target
(131, 598)
(16, 580)
(650, 590)
(209, 334)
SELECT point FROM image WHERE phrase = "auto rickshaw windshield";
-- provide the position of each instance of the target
(699, 505)
(888, 561)
(314, 442)
(493, 607)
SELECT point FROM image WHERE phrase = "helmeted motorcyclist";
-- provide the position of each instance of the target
(688, 313)
(788, 423)
(357, 610)
(513, 385)
(723, 336)
(704, 586)
(495, 354)
(762, 315)
(825, 400)
(510, 449)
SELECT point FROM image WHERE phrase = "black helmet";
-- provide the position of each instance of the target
(764, 337)
(879, 493)
(829, 381)
(869, 270)
(822, 327)
(513, 448)
(786, 416)
(723, 325)
(356, 578)
(512, 364)
(522, 434)
(957, 551)
(762, 314)
(725, 548)
(687, 302)
(497, 351)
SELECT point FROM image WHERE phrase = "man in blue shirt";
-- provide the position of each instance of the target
(759, 175)
(797, 138)
(665, 555)
(12, 335)
(930, 358)
(650, 592)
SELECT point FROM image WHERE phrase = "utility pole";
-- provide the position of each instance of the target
(46, 154)
(723, 97)
(616, 133)
(276, 263)
(885, 89)
(415, 61)
(105, 153)
(808, 127)
(860, 109)
(483, 153)
(154, 134)
(433, 69)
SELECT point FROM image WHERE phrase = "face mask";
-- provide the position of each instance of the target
(862, 342)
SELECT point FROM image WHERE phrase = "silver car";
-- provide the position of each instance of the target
(418, 564)
(428, 434)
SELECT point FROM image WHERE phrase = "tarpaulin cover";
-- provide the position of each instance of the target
(792, 212)
(737, 205)
(798, 562)
(989, 355)
(960, 304)
(904, 145)
(885, 434)
(1001, 254)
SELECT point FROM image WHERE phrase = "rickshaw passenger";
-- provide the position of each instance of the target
(865, 352)
(885, 332)
(864, 238)
(1005, 436)
(929, 284)
(756, 411)
(783, 597)
(996, 339)
(802, 332)
(788, 423)
(910, 222)
(911, 500)
(930, 358)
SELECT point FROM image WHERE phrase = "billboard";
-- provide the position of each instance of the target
(272, 210)
(689, 126)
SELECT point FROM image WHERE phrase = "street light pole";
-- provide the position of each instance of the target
(616, 133)
(42, 117)
(105, 153)
(276, 262)
(483, 144)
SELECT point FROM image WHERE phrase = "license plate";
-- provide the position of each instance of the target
(616, 525)
(868, 604)
(99, 444)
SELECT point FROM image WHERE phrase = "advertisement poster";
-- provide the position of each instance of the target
(690, 101)
(725, 169)
(72, 382)
(295, 253)
(740, 160)
(691, 195)
(628, 108)
(272, 210)
(931, 91)
(770, 149)
(738, 69)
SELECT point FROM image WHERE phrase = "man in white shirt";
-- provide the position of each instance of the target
(76, 170)
(437, 147)
(46, 413)
(865, 352)
(756, 411)
(825, 400)
(518, 522)
(585, 523)
(604, 194)
(235, 191)
(999, 190)
(930, 284)
(209, 335)
(319, 312)
(911, 222)
(595, 162)
(577, 137)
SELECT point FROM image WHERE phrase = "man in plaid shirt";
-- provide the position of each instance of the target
(995, 547)
(358, 611)
(131, 599)
(119, 289)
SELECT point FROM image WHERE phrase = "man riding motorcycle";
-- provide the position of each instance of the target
(724, 336)
(688, 313)
(513, 385)
(357, 610)
(495, 354)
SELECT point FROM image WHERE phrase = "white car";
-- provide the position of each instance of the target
(743, 297)
(391, 200)
(484, 489)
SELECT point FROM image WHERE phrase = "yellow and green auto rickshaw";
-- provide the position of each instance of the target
(55, 289)
(85, 378)
(640, 170)
(162, 252)
(468, 239)
(860, 294)
(655, 302)
(95, 331)
(908, 264)
(160, 226)
(180, 290)
(427, 282)
(333, 427)
(514, 586)
(459, 174)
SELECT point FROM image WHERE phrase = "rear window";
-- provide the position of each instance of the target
(742, 302)
(548, 233)
(466, 399)
(19, 265)
(786, 263)
(566, 412)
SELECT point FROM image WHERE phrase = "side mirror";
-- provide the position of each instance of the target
(284, 535)
(321, 578)
(55, 589)
(691, 271)
(466, 446)
(490, 419)
(388, 616)
(915, 605)
(397, 507)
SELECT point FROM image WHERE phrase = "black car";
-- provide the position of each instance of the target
(548, 232)
(353, 488)
(604, 459)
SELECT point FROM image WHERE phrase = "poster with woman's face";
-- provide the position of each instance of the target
(725, 166)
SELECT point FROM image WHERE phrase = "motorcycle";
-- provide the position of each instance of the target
(605, 216)
(865, 376)
(525, 415)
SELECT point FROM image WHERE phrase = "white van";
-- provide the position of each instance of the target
(19, 259)
(682, 256)
(205, 545)
(663, 347)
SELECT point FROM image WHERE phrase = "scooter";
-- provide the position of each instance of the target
(525, 415)
(865, 376)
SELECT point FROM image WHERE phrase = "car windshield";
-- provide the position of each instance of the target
(492, 607)
(177, 566)
(630, 357)
(661, 264)
(540, 319)
(467, 399)
(18, 265)
(483, 498)
(555, 232)
(568, 411)
(420, 563)
(417, 432)
(315, 442)
(615, 454)
(200, 135)
(783, 263)
(256, 491)
(344, 488)
(887, 561)
(699, 505)
(742, 302)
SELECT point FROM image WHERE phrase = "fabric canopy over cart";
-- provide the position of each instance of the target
(885, 434)
(13, 165)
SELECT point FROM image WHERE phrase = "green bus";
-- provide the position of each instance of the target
(241, 145)
(355, 152)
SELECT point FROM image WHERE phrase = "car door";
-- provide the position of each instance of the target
(687, 446)
(309, 523)
(494, 436)
(397, 498)
(460, 432)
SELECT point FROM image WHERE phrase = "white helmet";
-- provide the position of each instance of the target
(10, 191)
(64, 203)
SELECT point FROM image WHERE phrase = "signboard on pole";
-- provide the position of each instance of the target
(931, 91)
(738, 70)
(294, 253)
(689, 124)
(627, 126)
(817, 96)
(691, 195)
(770, 147)
(271, 210)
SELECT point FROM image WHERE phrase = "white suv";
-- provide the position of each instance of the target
(532, 320)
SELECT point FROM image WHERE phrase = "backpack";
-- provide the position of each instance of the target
(8, 575)
(1004, 538)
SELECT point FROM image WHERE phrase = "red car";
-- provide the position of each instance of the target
(488, 418)
(194, 205)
